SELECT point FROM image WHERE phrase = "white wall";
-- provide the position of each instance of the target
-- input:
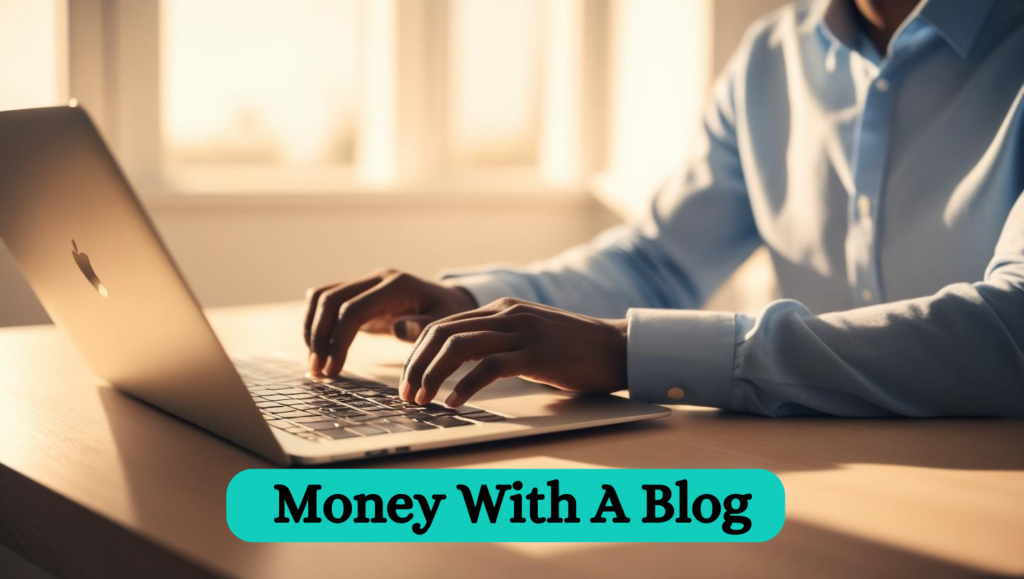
(271, 251)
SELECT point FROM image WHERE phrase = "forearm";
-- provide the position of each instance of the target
(957, 353)
(619, 270)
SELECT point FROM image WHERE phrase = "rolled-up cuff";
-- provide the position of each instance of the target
(681, 356)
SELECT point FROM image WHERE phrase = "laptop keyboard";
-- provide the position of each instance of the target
(344, 407)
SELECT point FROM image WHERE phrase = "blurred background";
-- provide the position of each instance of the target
(281, 144)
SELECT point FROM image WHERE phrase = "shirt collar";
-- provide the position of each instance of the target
(957, 21)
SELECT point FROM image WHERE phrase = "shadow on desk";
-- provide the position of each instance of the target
(164, 458)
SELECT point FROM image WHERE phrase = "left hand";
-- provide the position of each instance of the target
(515, 338)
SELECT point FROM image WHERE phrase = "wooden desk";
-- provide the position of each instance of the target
(93, 482)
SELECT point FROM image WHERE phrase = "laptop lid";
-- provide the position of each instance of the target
(95, 261)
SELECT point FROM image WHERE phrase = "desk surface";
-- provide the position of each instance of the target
(93, 482)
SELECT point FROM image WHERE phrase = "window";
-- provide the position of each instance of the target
(495, 82)
(259, 82)
(386, 95)
(32, 48)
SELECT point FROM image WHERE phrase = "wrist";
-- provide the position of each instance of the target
(619, 353)
(463, 298)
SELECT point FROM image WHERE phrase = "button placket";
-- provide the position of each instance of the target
(869, 167)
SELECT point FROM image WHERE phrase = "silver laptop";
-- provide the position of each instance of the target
(97, 264)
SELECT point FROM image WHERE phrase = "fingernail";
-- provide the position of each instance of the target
(407, 330)
(412, 329)
(402, 330)
(330, 368)
(453, 400)
(421, 397)
(403, 390)
(314, 364)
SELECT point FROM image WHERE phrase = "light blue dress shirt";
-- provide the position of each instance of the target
(888, 192)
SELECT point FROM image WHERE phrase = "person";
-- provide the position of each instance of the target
(875, 147)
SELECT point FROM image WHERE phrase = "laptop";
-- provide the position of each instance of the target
(94, 259)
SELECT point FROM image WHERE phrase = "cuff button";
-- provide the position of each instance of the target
(676, 393)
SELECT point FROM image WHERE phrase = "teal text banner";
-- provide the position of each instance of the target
(504, 505)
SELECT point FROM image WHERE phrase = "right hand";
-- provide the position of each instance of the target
(388, 301)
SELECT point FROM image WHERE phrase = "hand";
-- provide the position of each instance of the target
(515, 338)
(388, 301)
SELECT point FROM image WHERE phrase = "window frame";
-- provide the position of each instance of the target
(114, 72)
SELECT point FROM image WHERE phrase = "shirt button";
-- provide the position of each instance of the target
(676, 393)
(867, 295)
(882, 85)
(864, 206)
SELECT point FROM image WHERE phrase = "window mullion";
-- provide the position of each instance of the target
(89, 61)
(136, 78)
(422, 89)
(377, 139)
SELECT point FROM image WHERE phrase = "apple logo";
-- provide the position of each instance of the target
(83, 264)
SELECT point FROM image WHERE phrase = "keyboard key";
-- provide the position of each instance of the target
(417, 415)
(268, 404)
(389, 426)
(275, 397)
(328, 425)
(279, 423)
(280, 410)
(338, 433)
(311, 418)
(411, 424)
(342, 412)
(439, 412)
(384, 413)
(336, 411)
(364, 430)
(369, 393)
(482, 416)
(465, 410)
(289, 391)
(295, 414)
(447, 421)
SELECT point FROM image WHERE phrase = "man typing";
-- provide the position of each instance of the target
(876, 147)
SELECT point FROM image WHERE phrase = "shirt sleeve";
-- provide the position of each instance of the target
(959, 352)
(698, 229)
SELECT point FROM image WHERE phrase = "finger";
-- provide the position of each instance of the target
(312, 299)
(377, 301)
(505, 307)
(489, 309)
(490, 369)
(326, 317)
(433, 338)
(408, 328)
(458, 349)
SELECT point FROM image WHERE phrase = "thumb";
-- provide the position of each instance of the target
(408, 328)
